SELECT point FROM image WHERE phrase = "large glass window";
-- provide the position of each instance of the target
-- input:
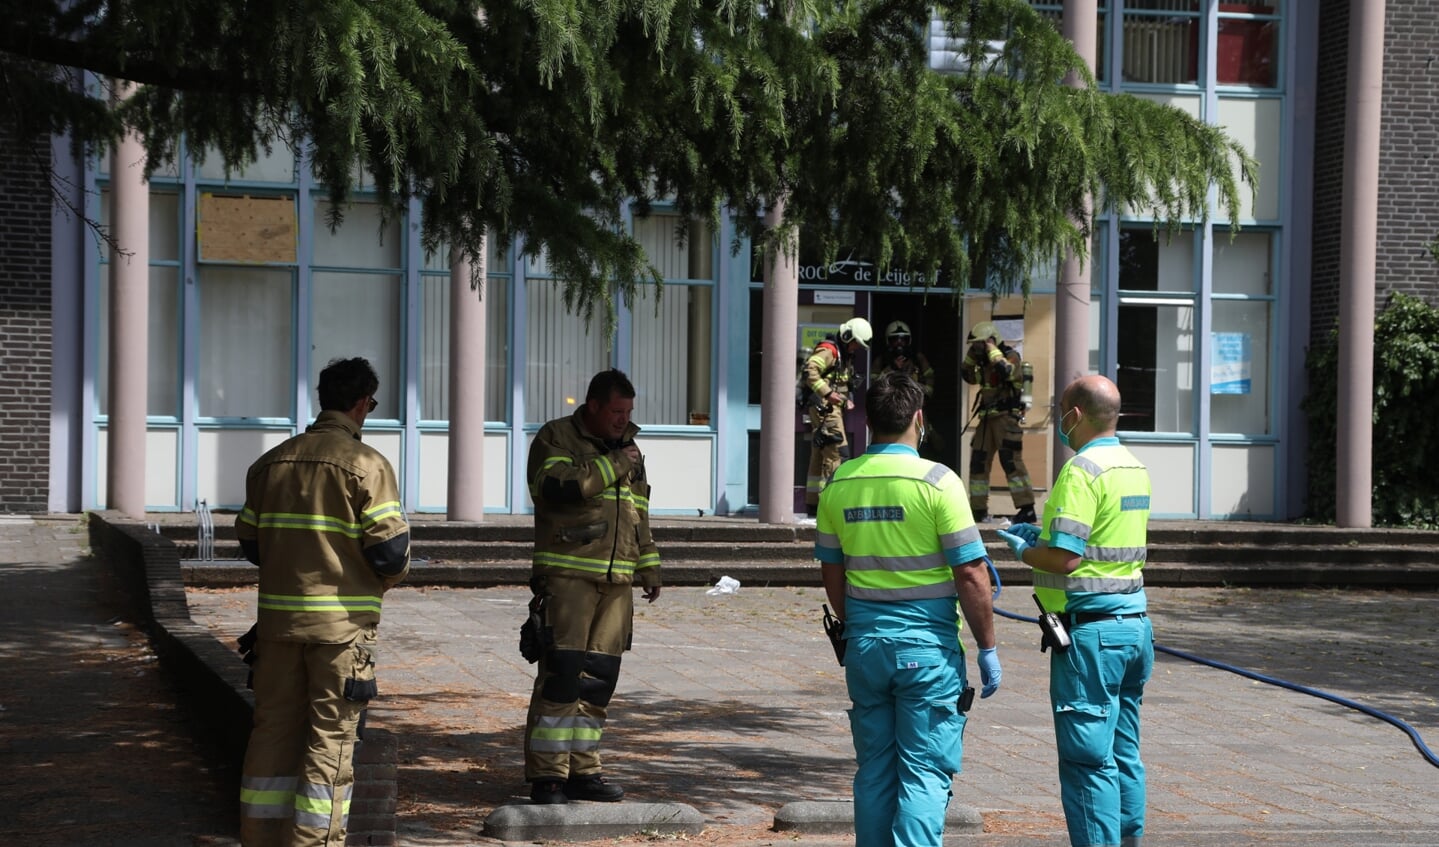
(163, 323)
(162, 383)
(1243, 318)
(364, 238)
(435, 335)
(1161, 41)
(671, 331)
(1239, 367)
(562, 352)
(1156, 352)
(246, 340)
(1154, 261)
(1156, 365)
(359, 314)
(277, 165)
(1248, 48)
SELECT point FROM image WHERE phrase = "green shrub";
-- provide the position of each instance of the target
(1406, 417)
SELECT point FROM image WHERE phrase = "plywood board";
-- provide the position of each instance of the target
(247, 230)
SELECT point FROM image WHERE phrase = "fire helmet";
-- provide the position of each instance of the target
(896, 329)
(984, 330)
(856, 329)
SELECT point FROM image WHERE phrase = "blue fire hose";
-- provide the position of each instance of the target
(1302, 689)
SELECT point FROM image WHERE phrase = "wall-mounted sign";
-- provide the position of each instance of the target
(834, 298)
(848, 270)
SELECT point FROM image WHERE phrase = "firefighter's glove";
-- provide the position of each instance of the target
(536, 639)
(247, 652)
(1017, 543)
(989, 671)
(247, 644)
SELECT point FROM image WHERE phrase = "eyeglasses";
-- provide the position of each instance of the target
(373, 404)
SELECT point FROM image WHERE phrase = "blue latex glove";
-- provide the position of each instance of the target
(1028, 531)
(989, 672)
(1017, 544)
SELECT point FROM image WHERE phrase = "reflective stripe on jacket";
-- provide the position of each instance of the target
(313, 506)
(827, 370)
(1101, 498)
(899, 524)
(592, 508)
(1000, 378)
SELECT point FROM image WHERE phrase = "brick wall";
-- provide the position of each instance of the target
(1408, 157)
(25, 324)
(1328, 167)
(1409, 152)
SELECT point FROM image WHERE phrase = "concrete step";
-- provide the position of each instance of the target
(524, 532)
(798, 549)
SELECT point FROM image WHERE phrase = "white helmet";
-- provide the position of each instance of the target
(856, 329)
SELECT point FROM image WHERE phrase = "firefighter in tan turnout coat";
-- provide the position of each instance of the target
(592, 544)
(323, 521)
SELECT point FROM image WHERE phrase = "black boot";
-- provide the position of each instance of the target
(593, 787)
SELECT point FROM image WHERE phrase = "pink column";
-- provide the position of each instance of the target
(129, 324)
(781, 339)
(1355, 420)
(1071, 306)
(465, 499)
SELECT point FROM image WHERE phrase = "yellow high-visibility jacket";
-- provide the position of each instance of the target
(592, 507)
(323, 520)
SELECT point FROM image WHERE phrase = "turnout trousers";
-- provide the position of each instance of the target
(1096, 687)
(828, 447)
(908, 738)
(998, 434)
(299, 765)
(592, 624)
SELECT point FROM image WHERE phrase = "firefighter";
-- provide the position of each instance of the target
(999, 372)
(592, 545)
(826, 381)
(322, 520)
(900, 355)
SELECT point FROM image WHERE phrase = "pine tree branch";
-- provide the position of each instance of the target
(36, 47)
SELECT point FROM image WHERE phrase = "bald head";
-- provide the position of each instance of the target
(1097, 400)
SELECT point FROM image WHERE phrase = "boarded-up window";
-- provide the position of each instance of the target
(247, 230)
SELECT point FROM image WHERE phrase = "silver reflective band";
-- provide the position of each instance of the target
(1089, 584)
(889, 595)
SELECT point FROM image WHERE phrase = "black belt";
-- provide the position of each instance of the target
(1077, 618)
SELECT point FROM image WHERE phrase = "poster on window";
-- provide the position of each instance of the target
(1230, 363)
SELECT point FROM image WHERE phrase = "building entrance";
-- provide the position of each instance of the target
(936, 342)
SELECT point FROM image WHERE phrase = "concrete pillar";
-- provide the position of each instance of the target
(1358, 236)
(465, 498)
(129, 324)
(781, 328)
(1071, 296)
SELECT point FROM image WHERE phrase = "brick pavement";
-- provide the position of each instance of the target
(95, 747)
(734, 704)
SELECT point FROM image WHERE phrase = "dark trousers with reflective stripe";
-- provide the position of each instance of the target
(298, 774)
(592, 624)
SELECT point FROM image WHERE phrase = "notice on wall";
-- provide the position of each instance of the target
(251, 230)
(809, 336)
(1230, 365)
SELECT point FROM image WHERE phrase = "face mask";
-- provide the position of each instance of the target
(921, 430)
(1064, 436)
